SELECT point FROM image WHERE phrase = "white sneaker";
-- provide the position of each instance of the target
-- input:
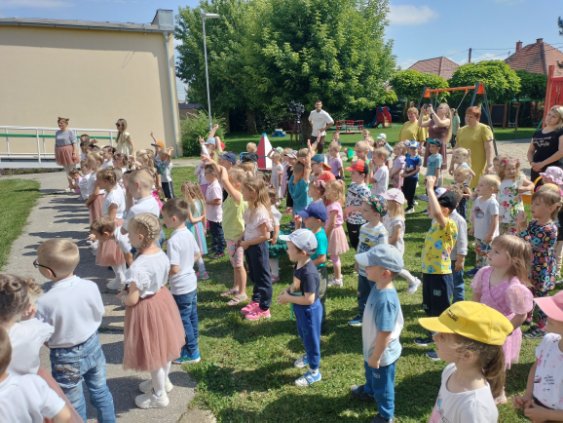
(336, 282)
(152, 401)
(414, 287)
(146, 386)
(114, 284)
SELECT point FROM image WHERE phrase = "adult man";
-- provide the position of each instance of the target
(320, 122)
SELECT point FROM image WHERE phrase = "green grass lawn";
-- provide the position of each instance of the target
(247, 374)
(17, 197)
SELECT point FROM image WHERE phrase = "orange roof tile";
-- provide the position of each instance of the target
(535, 58)
(441, 66)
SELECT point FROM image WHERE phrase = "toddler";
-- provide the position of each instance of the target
(277, 176)
(337, 243)
(461, 186)
(298, 184)
(396, 173)
(380, 177)
(335, 161)
(413, 162)
(434, 164)
(164, 169)
(461, 159)
(196, 222)
(358, 190)
(139, 185)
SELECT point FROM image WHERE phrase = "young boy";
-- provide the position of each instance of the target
(74, 307)
(318, 165)
(214, 211)
(357, 192)
(380, 176)
(434, 163)
(183, 251)
(383, 322)
(304, 295)
(372, 233)
(140, 187)
(26, 398)
(413, 162)
(437, 280)
(164, 168)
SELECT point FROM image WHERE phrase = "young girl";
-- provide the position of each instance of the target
(214, 211)
(84, 181)
(396, 173)
(512, 184)
(275, 246)
(335, 161)
(357, 192)
(380, 177)
(107, 154)
(554, 175)
(394, 222)
(257, 228)
(337, 242)
(196, 222)
(542, 234)
(461, 159)
(469, 336)
(298, 184)
(153, 331)
(277, 175)
(502, 287)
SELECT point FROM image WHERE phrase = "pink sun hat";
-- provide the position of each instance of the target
(552, 306)
(554, 173)
(394, 194)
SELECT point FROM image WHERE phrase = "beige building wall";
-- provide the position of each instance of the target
(92, 77)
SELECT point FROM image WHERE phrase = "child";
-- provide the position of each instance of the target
(381, 142)
(336, 136)
(335, 161)
(275, 245)
(357, 192)
(337, 243)
(484, 219)
(318, 166)
(461, 159)
(413, 162)
(84, 181)
(372, 233)
(121, 162)
(277, 175)
(380, 176)
(104, 229)
(107, 154)
(139, 185)
(362, 149)
(307, 307)
(257, 228)
(502, 287)
(26, 398)
(153, 332)
(214, 211)
(396, 173)
(512, 184)
(461, 186)
(182, 251)
(469, 336)
(554, 175)
(541, 233)
(164, 168)
(298, 184)
(75, 309)
(96, 197)
(542, 400)
(434, 164)
(437, 280)
(394, 222)
(196, 223)
(383, 322)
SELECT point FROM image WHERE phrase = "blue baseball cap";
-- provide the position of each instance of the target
(384, 255)
(229, 157)
(320, 159)
(412, 144)
(316, 209)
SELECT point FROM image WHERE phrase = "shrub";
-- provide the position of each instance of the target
(197, 126)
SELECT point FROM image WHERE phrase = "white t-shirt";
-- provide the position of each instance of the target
(122, 240)
(149, 272)
(181, 250)
(74, 307)
(275, 178)
(318, 121)
(548, 381)
(26, 338)
(463, 407)
(166, 169)
(482, 216)
(390, 224)
(143, 205)
(115, 196)
(276, 215)
(253, 220)
(380, 180)
(27, 399)
(214, 213)
(85, 186)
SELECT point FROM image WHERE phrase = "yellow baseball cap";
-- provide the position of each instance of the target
(472, 320)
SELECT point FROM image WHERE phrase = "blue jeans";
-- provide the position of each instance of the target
(309, 320)
(380, 383)
(257, 259)
(84, 363)
(459, 284)
(364, 288)
(187, 305)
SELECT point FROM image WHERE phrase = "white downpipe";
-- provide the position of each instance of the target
(172, 91)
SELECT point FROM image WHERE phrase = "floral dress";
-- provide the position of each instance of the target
(510, 202)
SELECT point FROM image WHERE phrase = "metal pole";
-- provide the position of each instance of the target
(206, 73)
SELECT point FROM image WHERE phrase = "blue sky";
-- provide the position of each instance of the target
(420, 29)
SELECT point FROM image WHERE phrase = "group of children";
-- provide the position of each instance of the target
(238, 206)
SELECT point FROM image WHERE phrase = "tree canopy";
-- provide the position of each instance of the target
(533, 85)
(408, 84)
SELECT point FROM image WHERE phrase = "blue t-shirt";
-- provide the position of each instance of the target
(382, 314)
(299, 194)
(411, 163)
(434, 163)
(322, 247)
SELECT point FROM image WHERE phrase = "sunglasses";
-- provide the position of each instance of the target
(37, 265)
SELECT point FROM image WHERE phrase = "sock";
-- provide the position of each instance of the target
(201, 266)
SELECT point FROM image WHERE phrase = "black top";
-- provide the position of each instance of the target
(309, 277)
(546, 145)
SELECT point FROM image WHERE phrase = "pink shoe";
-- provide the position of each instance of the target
(253, 305)
(258, 314)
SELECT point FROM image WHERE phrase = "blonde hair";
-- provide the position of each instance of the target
(94, 158)
(248, 167)
(102, 225)
(259, 188)
(334, 146)
(276, 157)
(559, 110)
(251, 147)
(492, 181)
(107, 175)
(303, 152)
(238, 174)
(394, 209)
(503, 162)
(176, 207)
(147, 225)
(520, 254)
(60, 255)
(16, 295)
(334, 191)
(402, 147)
(549, 196)
(381, 152)
(191, 192)
(362, 145)
(464, 153)
(141, 177)
(5, 351)
(464, 171)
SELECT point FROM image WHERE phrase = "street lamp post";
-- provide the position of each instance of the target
(205, 16)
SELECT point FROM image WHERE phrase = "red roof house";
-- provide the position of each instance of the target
(441, 66)
(536, 58)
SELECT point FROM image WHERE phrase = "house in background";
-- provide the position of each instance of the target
(535, 58)
(441, 66)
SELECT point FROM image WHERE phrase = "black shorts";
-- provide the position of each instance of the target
(437, 291)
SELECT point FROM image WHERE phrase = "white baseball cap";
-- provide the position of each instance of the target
(303, 239)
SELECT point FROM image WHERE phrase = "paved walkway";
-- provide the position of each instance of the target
(59, 215)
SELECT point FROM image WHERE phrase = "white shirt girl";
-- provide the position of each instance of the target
(149, 272)
(548, 380)
(27, 337)
(115, 196)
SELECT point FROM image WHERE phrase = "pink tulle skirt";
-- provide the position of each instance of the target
(46, 376)
(511, 348)
(95, 208)
(64, 155)
(337, 243)
(109, 253)
(154, 334)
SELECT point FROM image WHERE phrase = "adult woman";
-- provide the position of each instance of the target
(123, 140)
(439, 127)
(66, 149)
(410, 129)
(477, 138)
(546, 148)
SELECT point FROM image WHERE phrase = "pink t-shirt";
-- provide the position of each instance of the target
(398, 165)
(253, 220)
(335, 164)
(339, 219)
(214, 213)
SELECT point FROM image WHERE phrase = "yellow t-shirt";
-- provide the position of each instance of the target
(233, 222)
(411, 131)
(425, 119)
(437, 248)
(474, 139)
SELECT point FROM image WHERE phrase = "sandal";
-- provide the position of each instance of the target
(237, 299)
(535, 333)
(229, 293)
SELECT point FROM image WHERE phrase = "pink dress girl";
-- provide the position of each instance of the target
(510, 297)
(337, 242)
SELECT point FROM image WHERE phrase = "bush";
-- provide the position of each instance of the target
(197, 126)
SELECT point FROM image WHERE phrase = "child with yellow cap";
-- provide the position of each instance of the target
(469, 336)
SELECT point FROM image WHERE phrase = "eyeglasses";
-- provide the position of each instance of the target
(118, 124)
(37, 265)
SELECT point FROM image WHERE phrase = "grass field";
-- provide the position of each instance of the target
(17, 197)
(247, 374)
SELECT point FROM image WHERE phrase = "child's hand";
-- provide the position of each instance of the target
(92, 237)
(488, 239)
(373, 363)
(283, 298)
(274, 240)
(288, 210)
(244, 244)
(522, 402)
(430, 181)
(536, 413)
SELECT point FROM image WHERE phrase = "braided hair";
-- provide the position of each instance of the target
(16, 294)
(148, 225)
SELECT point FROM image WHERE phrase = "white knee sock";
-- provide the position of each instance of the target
(405, 274)
(119, 270)
(159, 379)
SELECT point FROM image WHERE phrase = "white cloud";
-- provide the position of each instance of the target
(407, 14)
(36, 4)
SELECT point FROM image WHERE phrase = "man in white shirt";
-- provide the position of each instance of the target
(320, 121)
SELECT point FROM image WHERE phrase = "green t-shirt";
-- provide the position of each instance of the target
(322, 247)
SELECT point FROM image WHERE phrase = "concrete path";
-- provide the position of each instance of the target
(59, 215)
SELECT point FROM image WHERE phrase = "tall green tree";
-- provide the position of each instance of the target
(408, 84)
(532, 85)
